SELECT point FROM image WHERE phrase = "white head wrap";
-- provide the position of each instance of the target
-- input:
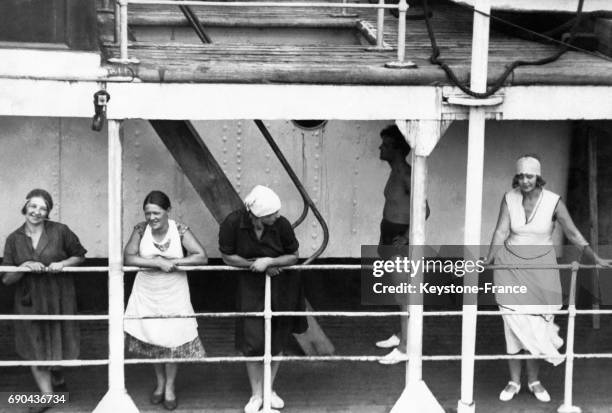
(528, 165)
(262, 201)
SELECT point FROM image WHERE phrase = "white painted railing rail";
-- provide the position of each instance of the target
(268, 358)
(121, 20)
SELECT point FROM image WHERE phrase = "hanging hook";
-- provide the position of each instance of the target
(100, 100)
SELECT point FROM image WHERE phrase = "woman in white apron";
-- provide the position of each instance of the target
(158, 244)
(523, 236)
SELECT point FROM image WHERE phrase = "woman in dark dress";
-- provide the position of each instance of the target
(260, 239)
(45, 247)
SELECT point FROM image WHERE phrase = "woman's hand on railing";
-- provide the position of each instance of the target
(487, 261)
(603, 262)
(55, 267)
(34, 266)
(261, 264)
(165, 265)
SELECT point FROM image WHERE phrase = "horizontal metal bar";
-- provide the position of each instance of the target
(64, 363)
(593, 312)
(346, 267)
(313, 267)
(486, 357)
(403, 313)
(45, 317)
(195, 315)
(235, 359)
(100, 362)
(9, 268)
(347, 314)
(457, 313)
(593, 356)
(264, 4)
(310, 267)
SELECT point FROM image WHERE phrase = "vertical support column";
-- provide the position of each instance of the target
(267, 379)
(418, 196)
(117, 398)
(116, 373)
(567, 406)
(422, 136)
(473, 198)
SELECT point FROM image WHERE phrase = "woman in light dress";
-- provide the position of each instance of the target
(158, 244)
(523, 236)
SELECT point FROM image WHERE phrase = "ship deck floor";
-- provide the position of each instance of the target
(337, 386)
(227, 62)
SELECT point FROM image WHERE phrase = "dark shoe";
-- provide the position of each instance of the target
(171, 404)
(58, 382)
(156, 398)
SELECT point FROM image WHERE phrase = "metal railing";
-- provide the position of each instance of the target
(267, 314)
(122, 37)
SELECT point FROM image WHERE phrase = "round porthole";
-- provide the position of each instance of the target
(309, 124)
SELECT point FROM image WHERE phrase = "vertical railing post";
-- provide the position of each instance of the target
(116, 399)
(267, 379)
(401, 39)
(123, 11)
(380, 26)
(567, 406)
(473, 197)
(121, 30)
(401, 31)
(117, 22)
(343, 12)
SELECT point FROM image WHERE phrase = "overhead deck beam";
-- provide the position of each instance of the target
(544, 5)
(49, 98)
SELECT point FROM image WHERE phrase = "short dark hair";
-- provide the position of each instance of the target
(41, 193)
(157, 198)
(540, 182)
(399, 141)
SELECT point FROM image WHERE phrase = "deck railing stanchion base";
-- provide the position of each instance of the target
(466, 408)
(116, 400)
(407, 64)
(120, 61)
(564, 408)
(417, 398)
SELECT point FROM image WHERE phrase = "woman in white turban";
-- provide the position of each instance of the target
(523, 236)
(259, 239)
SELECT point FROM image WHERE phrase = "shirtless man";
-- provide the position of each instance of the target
(395, 225)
